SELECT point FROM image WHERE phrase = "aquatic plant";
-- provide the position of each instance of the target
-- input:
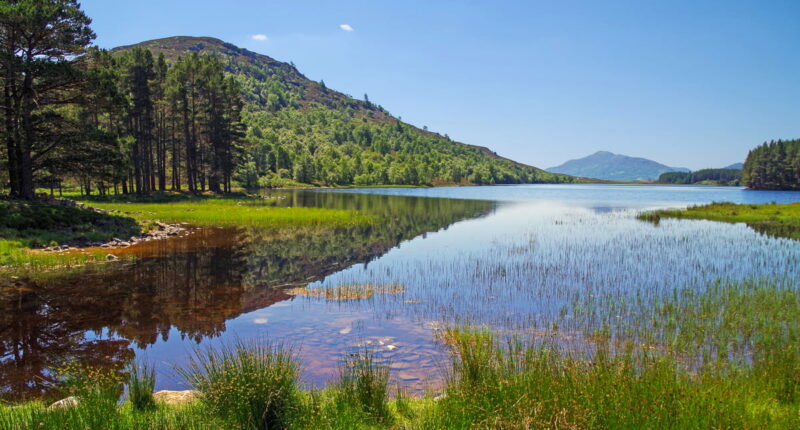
(364, 386)
(255, 384)
(140, 382)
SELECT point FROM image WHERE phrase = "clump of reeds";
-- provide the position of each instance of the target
(141, 381)
(253, 384)
(364, 387)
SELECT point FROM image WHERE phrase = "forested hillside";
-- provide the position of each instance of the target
(773, 166)
(198, 114)
(299, 131)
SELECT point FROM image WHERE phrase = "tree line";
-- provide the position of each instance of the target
(720, 176)
(131, 122)
(774, 165)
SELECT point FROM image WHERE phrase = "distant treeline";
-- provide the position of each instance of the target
(718, 176)
(774, 165)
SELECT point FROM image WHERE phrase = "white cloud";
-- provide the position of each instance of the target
(346, 27)
(259, 37)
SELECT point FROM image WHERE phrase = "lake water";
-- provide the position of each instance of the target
(531, 259)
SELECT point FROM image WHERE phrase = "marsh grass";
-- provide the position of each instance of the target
(781, 220)
(239, 213)
(253, 384)
(496, 381)
(363, 386)
(501, 383)
(141, 381)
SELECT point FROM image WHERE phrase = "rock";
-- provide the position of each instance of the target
(168, 397)
(112, 257)
(69, 402)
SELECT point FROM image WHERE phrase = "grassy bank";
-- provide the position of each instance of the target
(746, 336)
(26, 226)
(238, 213)
(781, 220)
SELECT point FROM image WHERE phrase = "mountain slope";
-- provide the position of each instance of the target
(735, 166)
(325, 133)
(614, 167)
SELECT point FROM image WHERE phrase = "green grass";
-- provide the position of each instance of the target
(26, 225)
(748, 336)
(238, 213)
(781, 220)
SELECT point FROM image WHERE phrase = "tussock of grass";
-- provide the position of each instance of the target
(782, 220)
(252, 384)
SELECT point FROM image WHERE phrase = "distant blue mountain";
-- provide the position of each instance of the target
(737, 166)
(615, 167)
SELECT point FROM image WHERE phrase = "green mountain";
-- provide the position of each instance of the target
(614, 167)
(300, 131)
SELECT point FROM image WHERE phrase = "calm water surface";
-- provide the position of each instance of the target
(520, 259)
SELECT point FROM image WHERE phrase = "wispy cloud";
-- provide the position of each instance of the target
(259, 37)
(346, 27)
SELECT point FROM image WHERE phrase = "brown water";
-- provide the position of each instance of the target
(513, 258)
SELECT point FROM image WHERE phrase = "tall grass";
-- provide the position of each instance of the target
(141, 381)
(363, 386)
(253, 384)
(496, 382)
(503, 384)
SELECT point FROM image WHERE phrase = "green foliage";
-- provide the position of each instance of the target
(255, 384)
(242, 212)
(706, 176)
(363, 387)
(781, 220)
(773, 166)
(28, 224)
(141, 380)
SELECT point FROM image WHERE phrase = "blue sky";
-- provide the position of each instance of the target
(687, 83)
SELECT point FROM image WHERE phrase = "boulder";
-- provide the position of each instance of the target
(168, 397)
(69, 402)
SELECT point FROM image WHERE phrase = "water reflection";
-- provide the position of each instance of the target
(523, 259)
(189, 287)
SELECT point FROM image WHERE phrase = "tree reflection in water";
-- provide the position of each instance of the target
(194, 284)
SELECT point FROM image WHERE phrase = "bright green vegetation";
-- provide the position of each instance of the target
(25, 225)
(773, 166)
(729, 177)
(725, 357)
(238, 213)
(781, 220)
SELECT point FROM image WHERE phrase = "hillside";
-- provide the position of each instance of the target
(614, 167)
(300, 131)
(735, 166)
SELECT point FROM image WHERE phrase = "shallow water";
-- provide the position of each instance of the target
(517, 258)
